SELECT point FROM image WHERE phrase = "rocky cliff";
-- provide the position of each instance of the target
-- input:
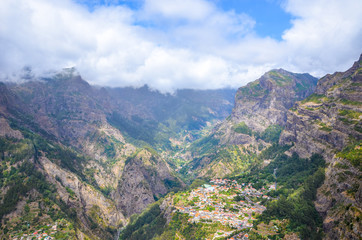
(329, 123)
(92, 147)
(145, 178)
(259, 114)
(60, 127)
(265, 101)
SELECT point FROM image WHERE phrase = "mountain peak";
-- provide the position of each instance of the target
(271, 95)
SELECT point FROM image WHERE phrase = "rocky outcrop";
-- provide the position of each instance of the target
(145, 178)
(7, 131)
(260, 105)
(265, 101)
(329, 123)
(329, 118)
(85, 196)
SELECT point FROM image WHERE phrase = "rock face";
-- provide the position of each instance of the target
(329, 123)
(7, 131)
(145, 178)
(259, 106)
(63, 117)
(86, 197)
(265, 101)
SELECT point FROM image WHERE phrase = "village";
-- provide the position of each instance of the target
(227, 202)
(47, 232)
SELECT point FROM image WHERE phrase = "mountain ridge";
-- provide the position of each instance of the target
(109, 154)
(62, 128)
(256, 121)
(329, 123)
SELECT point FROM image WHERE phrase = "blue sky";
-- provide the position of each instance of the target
(270, 17)
(172, 44)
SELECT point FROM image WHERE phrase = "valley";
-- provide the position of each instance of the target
(280, 158)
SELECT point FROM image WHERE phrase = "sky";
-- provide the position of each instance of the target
(173, 44)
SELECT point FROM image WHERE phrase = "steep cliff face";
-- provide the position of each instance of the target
(53, 184)
(7, 131)
(65, 106)
(82, 196)
(145, 178)
(87, 144)
(329, 122)
(62, 124)
(259, 114)
(265, 101)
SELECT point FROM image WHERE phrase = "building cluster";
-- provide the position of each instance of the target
(41, 234)
(216, 203)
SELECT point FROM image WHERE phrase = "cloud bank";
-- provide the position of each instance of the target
(175, 44)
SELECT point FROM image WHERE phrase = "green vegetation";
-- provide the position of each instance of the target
(240, 158)
(299, 209)
(316, 98)
(173, 185)
(139, 131)
(179, 226)
(291, 205)
(348, 121)
(323, 126)
(149, 224)
(303, 86)
(271, 133)
(243, 128)
(70, 191)
(205, 144)
(23, 179)
(353, 190)
(252, 89)
(358, 128)
(353, 153)
(197, 183)
(291, 171)
(349, 102)
(350, 114)
(280, 79)
(19, 173)
(16, 150)
(297, 180)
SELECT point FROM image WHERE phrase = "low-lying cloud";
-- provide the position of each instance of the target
(175, 44)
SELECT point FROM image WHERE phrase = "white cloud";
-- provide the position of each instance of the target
(327, 34)
(175, 44)
(179, 9)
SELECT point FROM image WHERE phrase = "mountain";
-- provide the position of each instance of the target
(328, 122)
(265, 101)
(89, 162)
(144, 116)
(259, 114)
(83, 156)
(303, 153)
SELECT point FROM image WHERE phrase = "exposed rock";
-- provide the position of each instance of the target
(166, 208)
(7, 131)
(258, 105)
(145, 178)
(326, 123)
(265, 101)
(87, 196)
